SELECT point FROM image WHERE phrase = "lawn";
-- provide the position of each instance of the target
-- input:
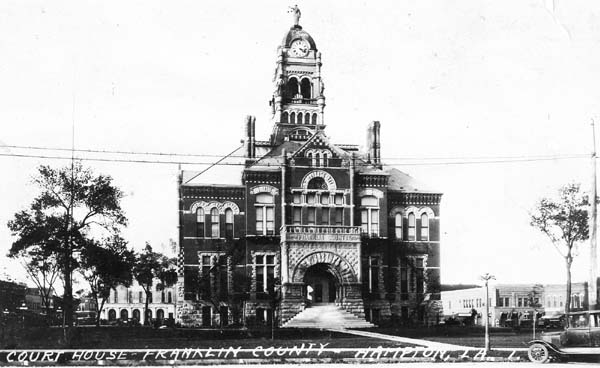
(465, 336)
(145, 337)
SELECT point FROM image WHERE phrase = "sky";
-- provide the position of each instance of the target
(446, 79)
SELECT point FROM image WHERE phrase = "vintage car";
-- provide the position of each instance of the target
(580, 338)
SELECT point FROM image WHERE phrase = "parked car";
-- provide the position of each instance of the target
(552, 321)
(581, 337)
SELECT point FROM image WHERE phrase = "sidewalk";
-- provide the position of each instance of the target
(419, 342)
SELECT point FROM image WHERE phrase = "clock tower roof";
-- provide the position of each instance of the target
(296, 32)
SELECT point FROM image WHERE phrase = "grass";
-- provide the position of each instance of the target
(466, 336)
(144, 337)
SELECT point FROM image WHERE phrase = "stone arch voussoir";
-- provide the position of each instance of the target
(343, 269)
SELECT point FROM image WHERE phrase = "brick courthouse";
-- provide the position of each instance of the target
(310, 222)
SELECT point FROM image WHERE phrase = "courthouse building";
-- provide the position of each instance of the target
(310, 222)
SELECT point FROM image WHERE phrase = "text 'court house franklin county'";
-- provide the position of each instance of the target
(311, 224)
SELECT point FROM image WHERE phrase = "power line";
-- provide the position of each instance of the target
(221, 163)
(408, 158)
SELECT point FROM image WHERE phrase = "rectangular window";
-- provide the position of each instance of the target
(223, 286)
(140, 297)
(403, 281)
(324, 198)
(265, 220)
(374, 222)
(364, 221)
(229, 223)
(312, 215)
(200, 223)
(310, 198)
(398, 226)
(419, 275)
(339, 199)
(130, 296)
(411, 226)
(214, 223)
(265, 274)
(324, 216)
(339, 216)
(424, 227)
(296, 198)
(297, 216)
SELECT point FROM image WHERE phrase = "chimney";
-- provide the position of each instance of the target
(249, 142)
(374, 144)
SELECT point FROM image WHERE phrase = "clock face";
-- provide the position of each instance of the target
(299, 48)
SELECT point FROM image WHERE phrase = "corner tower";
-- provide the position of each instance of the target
(298, 101)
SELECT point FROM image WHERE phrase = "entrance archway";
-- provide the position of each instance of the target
(321, 284)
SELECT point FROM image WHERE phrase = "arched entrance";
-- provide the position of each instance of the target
(321, 284)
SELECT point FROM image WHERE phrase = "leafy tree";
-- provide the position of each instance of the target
(73, 205)
(105, 265)
(149, 266)
(565, 222)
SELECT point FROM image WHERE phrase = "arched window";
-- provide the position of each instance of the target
(310, 157)
(411, 226)
(292, 88)
(229, 223)
(299, 118)
(317, 183)
(162, 297)
(200, 222)
(325, 159)
(398, 226)
(112, 314)
(284, 117)
(214, 223)
(369, 216)
(136, 315)
(318, 158)
(293, 118)
(424, 227)
(124, 315)
(307, 118)
(116, 295)
(314, 118)
(265, 214)
(169, 297)
(305, 88)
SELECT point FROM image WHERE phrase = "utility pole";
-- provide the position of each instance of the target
(593, 292)
(487, 277)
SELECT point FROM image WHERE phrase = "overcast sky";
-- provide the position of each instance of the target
(452, 79)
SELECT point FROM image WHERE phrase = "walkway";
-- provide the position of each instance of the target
(406, 340)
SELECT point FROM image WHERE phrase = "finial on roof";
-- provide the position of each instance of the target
(296, 14)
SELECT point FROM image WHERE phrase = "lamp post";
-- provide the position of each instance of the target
(487, 277)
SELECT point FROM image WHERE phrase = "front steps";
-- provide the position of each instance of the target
(326, 316)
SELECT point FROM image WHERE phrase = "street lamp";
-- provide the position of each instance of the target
(487, 277)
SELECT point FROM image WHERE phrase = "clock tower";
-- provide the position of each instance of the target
(298, 101)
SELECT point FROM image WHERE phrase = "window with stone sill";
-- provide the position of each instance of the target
(265, 214)
(369, 216)
(424, 227)
(200, 222)
(412, 226)
(398, 226)
(371, 270)
(265, 273)
(339, 216)
(297, 216)
(229, 223)
(214, 223)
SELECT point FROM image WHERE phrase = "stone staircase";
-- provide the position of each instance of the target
(326, 316)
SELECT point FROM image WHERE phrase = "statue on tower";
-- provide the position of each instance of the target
(295, 13)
